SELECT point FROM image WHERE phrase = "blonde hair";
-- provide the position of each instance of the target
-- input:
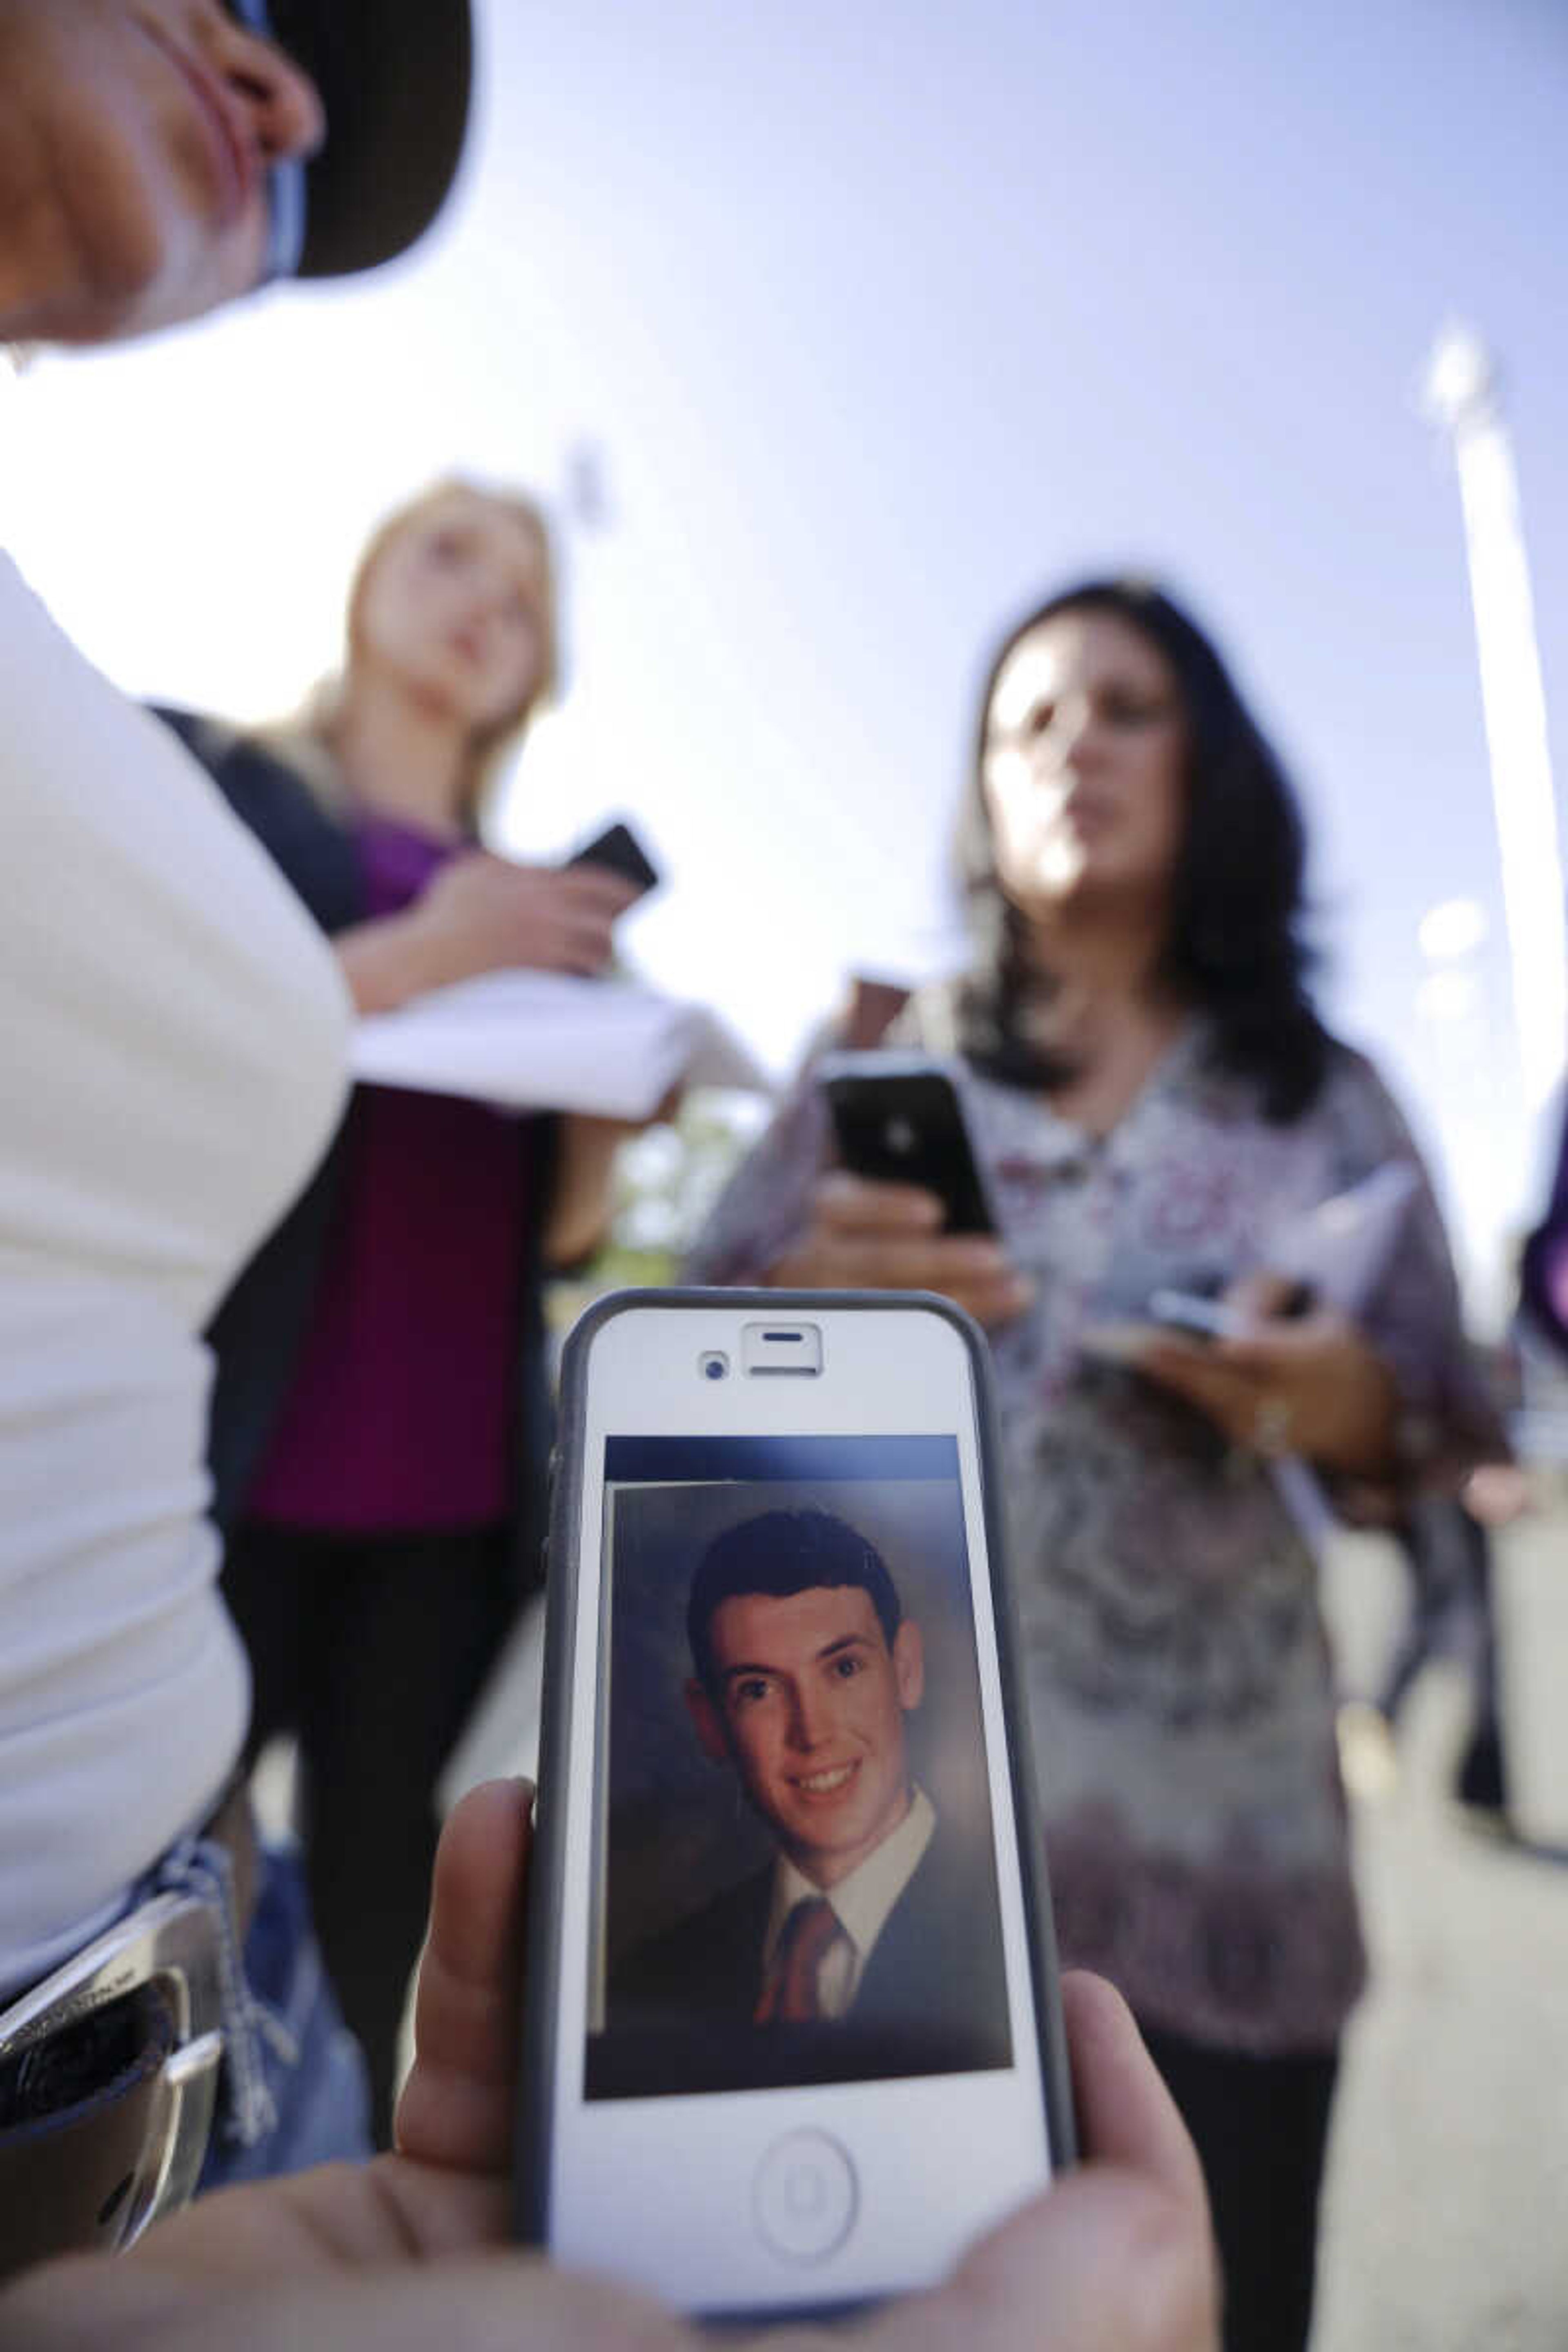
(305, 740)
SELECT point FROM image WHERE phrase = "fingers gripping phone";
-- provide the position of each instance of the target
(793, 2037)
(899, 1118)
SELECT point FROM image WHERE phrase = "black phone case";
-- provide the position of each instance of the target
(618, 851)
(940, 1155)
(536, 2097)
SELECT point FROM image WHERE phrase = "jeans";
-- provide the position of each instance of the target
(293, 2090)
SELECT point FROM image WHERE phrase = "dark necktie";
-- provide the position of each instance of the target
(790, 1996)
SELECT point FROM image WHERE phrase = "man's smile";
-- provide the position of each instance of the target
(808, 1704)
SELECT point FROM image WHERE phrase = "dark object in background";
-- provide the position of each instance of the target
(1450, 1613)
(618, 851)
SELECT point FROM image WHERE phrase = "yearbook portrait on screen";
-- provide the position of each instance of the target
(794, 1870)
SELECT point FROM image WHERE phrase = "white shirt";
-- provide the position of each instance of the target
(173, 1047)
(861, 1903)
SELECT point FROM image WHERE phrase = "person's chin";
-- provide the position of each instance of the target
(1051, 882)
(104, 302)
(213, 271)
(822, 1861)
(817, 1837)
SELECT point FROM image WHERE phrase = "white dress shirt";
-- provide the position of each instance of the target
(861, 1903)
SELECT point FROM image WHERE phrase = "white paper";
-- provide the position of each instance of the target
(542, 1040)
(1340, 1248)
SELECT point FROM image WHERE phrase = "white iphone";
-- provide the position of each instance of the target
(792, 2039)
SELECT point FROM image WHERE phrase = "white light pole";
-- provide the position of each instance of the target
(1461, 396)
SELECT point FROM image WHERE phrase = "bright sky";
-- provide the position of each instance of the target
(885, 317)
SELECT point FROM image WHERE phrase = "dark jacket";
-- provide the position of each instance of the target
(932, 1998)
(259, 1329)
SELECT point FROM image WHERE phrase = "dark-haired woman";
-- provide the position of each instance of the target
(1154, 1097)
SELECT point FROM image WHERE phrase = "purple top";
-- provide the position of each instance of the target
(1544, 1272)
(401, 1410)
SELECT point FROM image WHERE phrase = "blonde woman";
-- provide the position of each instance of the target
(380, 1415)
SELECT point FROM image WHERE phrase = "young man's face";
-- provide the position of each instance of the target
(136, 137)
(808, 1704)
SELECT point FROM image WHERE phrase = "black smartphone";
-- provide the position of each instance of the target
(618, 851)
(899, 1118)
(791, 2037)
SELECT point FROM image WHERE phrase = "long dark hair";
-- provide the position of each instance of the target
(1236, 949)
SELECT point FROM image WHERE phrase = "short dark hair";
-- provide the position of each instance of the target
(1236, 949)
(779, 1553)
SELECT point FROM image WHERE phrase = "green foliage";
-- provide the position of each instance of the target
(665, 1184)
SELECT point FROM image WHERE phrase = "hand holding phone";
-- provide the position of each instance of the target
(909, 1209)
(788, 1926)
(1304, 1384)
(869, 1236)
(898, 1118)
(484, 913)
(1243, 1313)
(402, 2253)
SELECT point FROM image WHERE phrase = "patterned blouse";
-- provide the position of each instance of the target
(1182, 1699)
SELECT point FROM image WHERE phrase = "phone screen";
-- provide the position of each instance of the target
(794, 1728)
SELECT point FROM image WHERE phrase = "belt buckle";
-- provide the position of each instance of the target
(173, 1942)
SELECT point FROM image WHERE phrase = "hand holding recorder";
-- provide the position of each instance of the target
(1280, 1363)
(1273, 1374)
(408, 2251)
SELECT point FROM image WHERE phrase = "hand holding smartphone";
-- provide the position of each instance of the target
(899, 1118)
(788, 1941)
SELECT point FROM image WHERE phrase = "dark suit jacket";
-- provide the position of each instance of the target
(260, 1327)
(932, 1999)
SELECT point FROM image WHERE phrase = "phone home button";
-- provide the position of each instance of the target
(805, 2197)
